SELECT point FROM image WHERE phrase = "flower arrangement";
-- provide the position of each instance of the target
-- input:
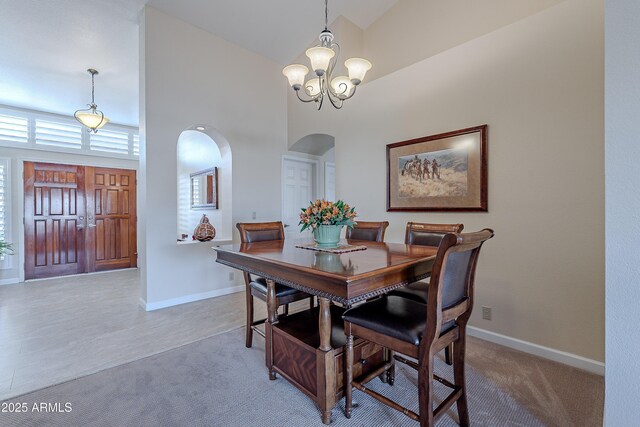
(322, 212)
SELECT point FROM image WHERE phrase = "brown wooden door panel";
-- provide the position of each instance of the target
(54, 220)
(78, 219)
(111, 213)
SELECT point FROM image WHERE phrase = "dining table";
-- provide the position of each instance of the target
(306, 347)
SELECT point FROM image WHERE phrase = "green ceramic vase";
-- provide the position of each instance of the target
(327, 235)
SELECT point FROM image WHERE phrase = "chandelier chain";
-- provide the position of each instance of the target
(326, 14)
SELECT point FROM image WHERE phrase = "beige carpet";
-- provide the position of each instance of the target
(556, 394)
(218, 382)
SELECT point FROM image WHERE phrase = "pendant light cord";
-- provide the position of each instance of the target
(326, 14)
(93, 89)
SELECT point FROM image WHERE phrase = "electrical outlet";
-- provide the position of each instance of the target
(253, 215)
(231, 275)
(486, 313)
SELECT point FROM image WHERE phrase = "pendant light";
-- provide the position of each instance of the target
(92, 118)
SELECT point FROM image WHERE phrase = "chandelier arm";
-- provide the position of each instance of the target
(305, 100)
(337, 103)
(95, 130)
(332, 64)
(321, 100)
(352, 93)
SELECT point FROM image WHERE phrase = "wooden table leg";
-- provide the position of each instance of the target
(326, 369)
(272, 318)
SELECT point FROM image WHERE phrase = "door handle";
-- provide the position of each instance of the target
(91, 225)
(79, 227)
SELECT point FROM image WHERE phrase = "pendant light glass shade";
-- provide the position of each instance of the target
(357, 67)
(342, 86)
(312, 87)
(320, 58)
(295, 73)
(94, 120)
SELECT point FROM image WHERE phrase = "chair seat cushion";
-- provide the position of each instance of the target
(416, 291)
(260, 285)
(394, 316)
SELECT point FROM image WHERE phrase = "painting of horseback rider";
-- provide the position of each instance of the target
(433, 173)
(447, 171)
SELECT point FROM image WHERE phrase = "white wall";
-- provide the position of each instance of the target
(416, 29)
(538, 84)
(18, 156)
(622, 149)
(189, 76)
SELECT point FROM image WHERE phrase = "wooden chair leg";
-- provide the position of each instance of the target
(348, 372)
(391, 373)
(459, 378)
(425, 391)
(387, 358)
(448, 354)
(249, 332)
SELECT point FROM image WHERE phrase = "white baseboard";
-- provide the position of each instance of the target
(570, 359)
(150, 306)
(12, 281)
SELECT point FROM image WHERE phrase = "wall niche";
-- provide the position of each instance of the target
(200, 151)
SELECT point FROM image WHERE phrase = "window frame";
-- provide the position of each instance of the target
(6, 263)
(85, 149)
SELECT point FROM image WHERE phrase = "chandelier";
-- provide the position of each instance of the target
(92, 118)
(323, 60)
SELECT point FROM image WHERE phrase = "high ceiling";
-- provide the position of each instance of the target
(277, 29)
(48, 45)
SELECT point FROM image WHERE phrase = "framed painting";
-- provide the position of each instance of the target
(445, 172)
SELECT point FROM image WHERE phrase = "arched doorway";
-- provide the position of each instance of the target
(308, 172)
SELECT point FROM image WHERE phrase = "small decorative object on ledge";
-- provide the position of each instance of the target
(204, 231)
(326, 219)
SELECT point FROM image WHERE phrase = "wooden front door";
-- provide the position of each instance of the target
(111, 214)
(78, 219)
(54, 220)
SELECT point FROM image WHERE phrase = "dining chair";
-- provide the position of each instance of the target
(257, 286)
(368, 230)
(417, 233)
(421, 330)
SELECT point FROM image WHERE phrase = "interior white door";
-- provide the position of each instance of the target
(330, 181)
(297, 191)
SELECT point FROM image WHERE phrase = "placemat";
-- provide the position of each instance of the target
(340, 249)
